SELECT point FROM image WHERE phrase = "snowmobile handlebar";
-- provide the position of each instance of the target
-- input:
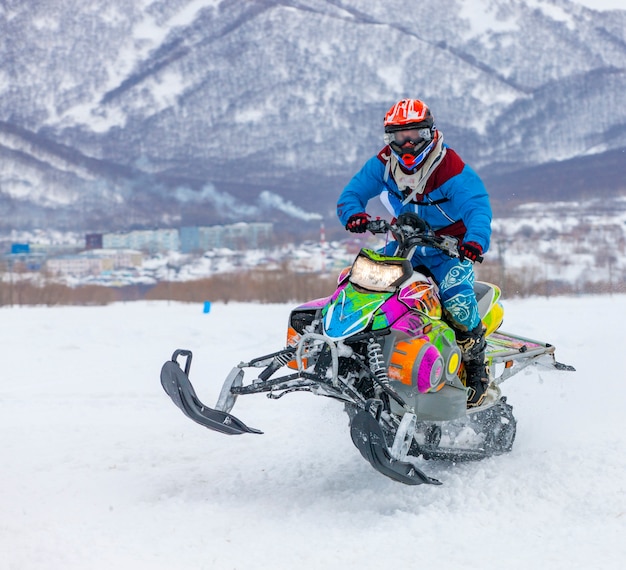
(411, 231)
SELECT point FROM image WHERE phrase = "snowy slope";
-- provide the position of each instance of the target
(101, 471)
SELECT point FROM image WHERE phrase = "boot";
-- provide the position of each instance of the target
(473, 344)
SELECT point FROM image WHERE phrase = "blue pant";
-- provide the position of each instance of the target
(455, 280)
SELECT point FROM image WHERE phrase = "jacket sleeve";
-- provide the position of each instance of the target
(366, 184)
(469, 197)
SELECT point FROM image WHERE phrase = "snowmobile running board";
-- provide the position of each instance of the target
(176, 384)
(368, 437)
(517, 352)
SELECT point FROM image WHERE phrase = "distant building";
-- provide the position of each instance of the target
(151, 241)
(19, 248)
(190, 239)
(93, 241)
(24, 257)
(234, 236)
(94, 262)
(74, 265)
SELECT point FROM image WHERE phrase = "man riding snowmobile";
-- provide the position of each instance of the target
(389, 341)
(417, 172)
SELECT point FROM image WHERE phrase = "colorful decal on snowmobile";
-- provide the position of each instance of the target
(493, 319)
(444, 339)
(489, 306)
(389, 313)
(421, 295)
(350, 311)
(412, 324)
(416, 362)
(293, 339)
(437, 334)
(502, 342)
(381, 257)
(343, 274)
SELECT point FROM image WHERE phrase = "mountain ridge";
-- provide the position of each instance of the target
(131, 108)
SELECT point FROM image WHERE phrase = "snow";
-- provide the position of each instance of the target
(102, 471)
(602, 5)
(482, 17)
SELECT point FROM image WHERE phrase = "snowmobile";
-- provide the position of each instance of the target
(380, 345)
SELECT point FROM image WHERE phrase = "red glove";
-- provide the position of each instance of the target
(357, 223)
(471, 250)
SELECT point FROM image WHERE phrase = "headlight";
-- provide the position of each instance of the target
(377, 272)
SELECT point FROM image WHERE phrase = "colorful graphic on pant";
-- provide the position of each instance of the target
(457, 295)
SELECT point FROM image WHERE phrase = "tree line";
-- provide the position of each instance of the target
(282, 285)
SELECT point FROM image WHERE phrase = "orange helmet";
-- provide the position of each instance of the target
(407, 112)
(410, 132)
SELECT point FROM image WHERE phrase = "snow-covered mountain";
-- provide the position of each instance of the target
(117, 114)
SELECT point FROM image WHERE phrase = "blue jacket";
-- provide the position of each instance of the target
(455, 201)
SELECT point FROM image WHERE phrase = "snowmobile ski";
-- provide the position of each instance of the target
(369, 438)
(176, 384)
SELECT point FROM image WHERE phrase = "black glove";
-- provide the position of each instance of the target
(357, 223)
(471, 250)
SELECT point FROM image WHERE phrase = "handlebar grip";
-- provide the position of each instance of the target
(377, 226)
(478, 259)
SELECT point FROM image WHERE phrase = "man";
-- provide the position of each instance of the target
(416, 172)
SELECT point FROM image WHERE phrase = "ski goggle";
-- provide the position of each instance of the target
(409, 159)
(414, 137)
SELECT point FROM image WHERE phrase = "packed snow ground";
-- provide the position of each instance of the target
(100, 470)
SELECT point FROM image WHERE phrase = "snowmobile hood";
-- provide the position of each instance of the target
(350, 311)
